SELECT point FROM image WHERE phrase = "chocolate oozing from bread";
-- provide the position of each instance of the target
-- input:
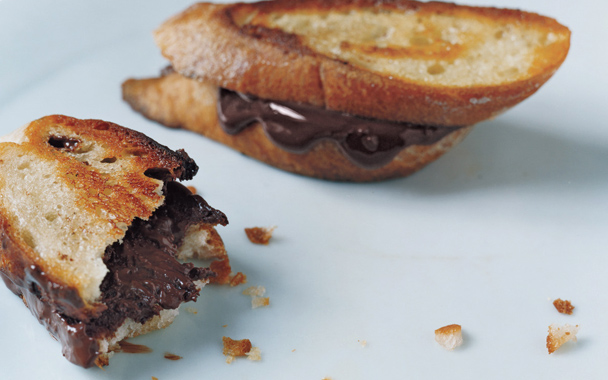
(144, 276)
(368, 143)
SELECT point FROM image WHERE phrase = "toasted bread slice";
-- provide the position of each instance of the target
(180, 102)
(74, 198)
(424, 63)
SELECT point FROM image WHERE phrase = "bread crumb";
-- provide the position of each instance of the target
(363, 342)
(294, 350)
(154, 378)
(236, 347)
(222, 271)
(192, 189)
(171, 356)
(559, 335)
(191, 310)
(238, 279)
(230, 359)
(255, 291)
(260, 235)
(449, 337)
(224, 325)
(132, 348)
(255, 354)
(259, 302)
(563, 306)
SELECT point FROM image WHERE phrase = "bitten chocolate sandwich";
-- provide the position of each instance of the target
(352, 90)
(94, 228)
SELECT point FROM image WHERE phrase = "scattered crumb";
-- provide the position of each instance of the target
(222, 271)
(362, 342)
(449, 337)
(236, 347)
(154, 378)
(230, 359)
(191, 310)
(132, 348)
(224, 325)
(255, 354)
(259, 302)
(192, 189)
(259, 235)
(326, 378)
(564, 307)
(238, 279)
(255, 291)
(294, 350)
(171, 356)
(101, 363)
(559, 335)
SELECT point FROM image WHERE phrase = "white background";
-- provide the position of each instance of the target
(485, 237)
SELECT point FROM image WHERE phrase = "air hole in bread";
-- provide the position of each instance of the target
(64, 142)
(23, 165)
(50, 216)
(28, 238)
(435, 69)
(109, 160)
(136, 152)
(513, 71)
(101, 127)
(420, 41)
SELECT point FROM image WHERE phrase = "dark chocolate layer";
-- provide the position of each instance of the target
(368, 143)
(77, 346)
(144, 276)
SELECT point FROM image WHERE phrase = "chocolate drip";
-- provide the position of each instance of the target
(368, 143)
(77, 346)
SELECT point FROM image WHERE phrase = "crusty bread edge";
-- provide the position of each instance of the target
(204, 42)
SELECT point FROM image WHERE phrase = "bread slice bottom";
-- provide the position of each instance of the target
(179, 102)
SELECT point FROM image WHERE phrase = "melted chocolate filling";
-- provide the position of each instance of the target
(144, 276)
(368, 143)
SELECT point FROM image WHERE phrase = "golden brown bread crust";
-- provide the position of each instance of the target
(180, 102)
(206, 42)
(20, 263)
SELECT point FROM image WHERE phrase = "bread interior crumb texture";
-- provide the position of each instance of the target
(48, 208)
(433, 48)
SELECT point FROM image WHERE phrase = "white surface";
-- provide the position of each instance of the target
(484, 237)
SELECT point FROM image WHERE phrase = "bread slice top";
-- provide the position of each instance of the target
(68, 189)
(379, 59)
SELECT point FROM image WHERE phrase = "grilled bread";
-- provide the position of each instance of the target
(83, 203)
(430, 65)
